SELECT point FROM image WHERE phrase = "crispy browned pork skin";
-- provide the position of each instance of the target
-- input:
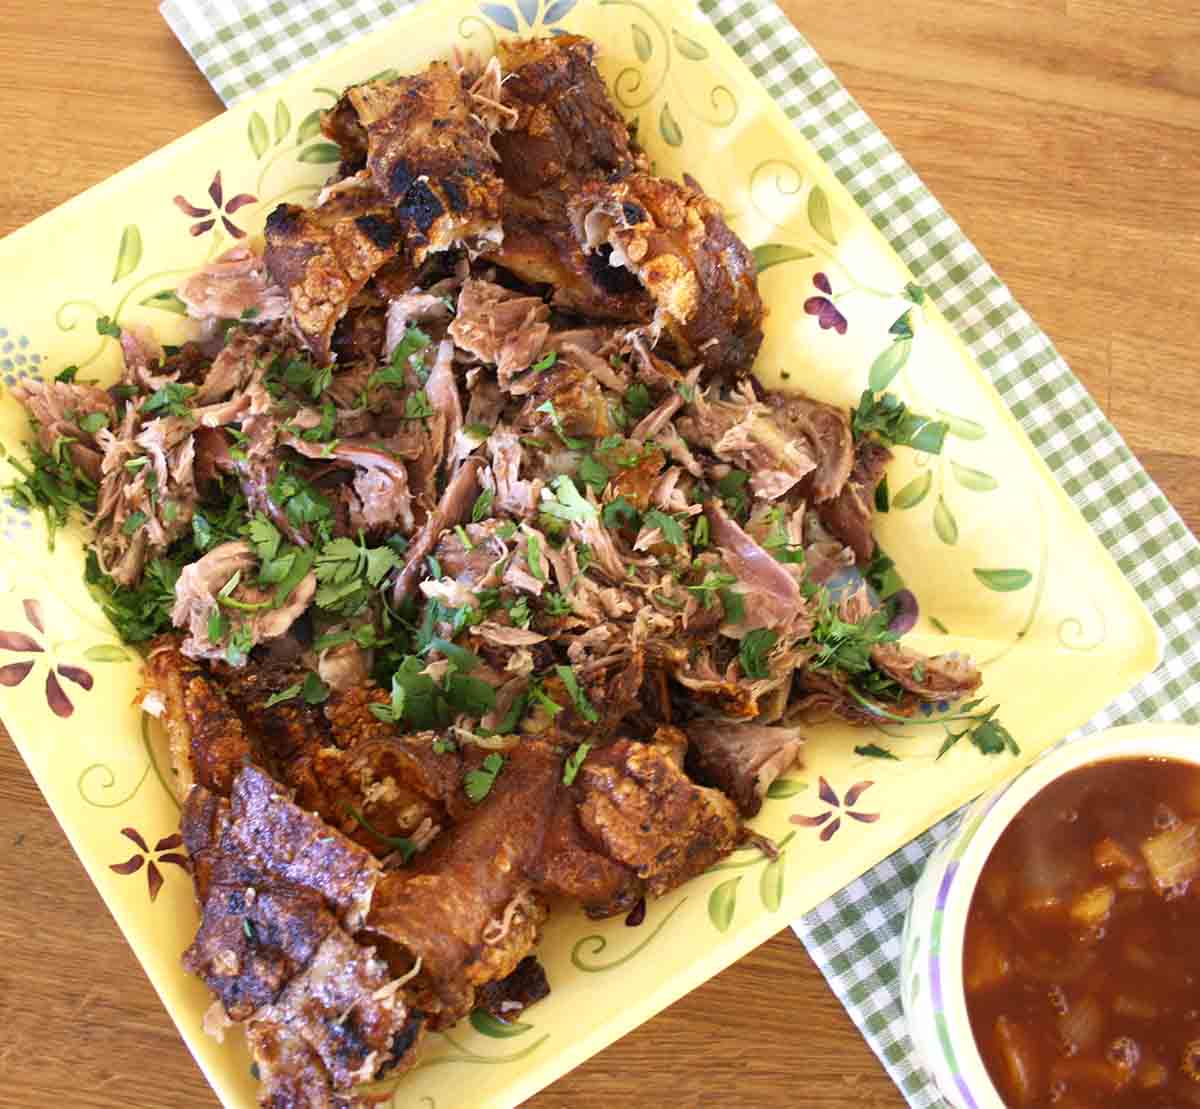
(474, 571)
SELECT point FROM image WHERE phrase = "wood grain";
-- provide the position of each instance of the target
(1064, 135)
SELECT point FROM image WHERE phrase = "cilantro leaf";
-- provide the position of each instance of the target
(314, 691)
(752, 654)
(417, 406)
(556, 422)
(672, 530)
(574, 762)
(477, 784)
(874, 751)
(292, 690)
(637, 401)
(170, 400)
(105, 326)
(483, 506)
(582, 705)
(93, 422)
(889, 419)
(545, 363)
(619, 512)
(569, 504)
(594, 473)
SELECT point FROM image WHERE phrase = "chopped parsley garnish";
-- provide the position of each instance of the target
(406, 847)
(300, 374)
(170, 400)
(637, 401)
(301, 502)
(732, 491)
(672, 530)
(713, 583)
(574, 762)
(619, 512)
(569, 504)
(844, 646)
(569, 441)
(417, 406)
(594, 473)
(348, 572)
(533, 558)
(734, 605)
(313, 690)
(558, 605)
(888, 418)
(53, 483)
(582, 705)
(874, 751)
(984, 731)
(105, 326)
(292, 690)
(482, 508)
(407, 355)
(477, 784)
(756, 646)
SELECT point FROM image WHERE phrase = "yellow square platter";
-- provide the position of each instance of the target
(1003, 565)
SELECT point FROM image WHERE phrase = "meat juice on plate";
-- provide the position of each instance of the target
(1082, 963)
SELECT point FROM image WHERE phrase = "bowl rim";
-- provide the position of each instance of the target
(982, 827)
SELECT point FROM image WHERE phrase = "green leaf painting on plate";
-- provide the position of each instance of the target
(310, 126)
(669, 126)
(914, 492)
(889, 363)
(1004, 581)
(257, 133)
(166, 300)
(722, 903)
(688, 47)
(978, 481)
(483, 1021)
(961, 426)
(321, 153)
(820, 216)
(129, 252)
(944, 523)
(643, 47)
(776, 254)
(107, 652)
(782, 788)
(283, 121)
(770, 884)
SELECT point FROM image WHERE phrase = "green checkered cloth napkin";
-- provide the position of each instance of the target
(244, 45)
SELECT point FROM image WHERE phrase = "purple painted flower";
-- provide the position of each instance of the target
(14, 673)
(831, 819)
(164, 852)
(823, 307)
(207, 217)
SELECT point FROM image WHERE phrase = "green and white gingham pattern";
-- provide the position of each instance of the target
(244, 45)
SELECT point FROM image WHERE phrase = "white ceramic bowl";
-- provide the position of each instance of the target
(931, 983)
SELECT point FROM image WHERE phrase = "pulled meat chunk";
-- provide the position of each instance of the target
(197, 598)
(639, 804)
(429, 153)
(325, 256)
(742, 760)
(700, 275)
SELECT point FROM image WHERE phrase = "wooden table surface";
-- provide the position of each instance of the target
(1064, 135)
